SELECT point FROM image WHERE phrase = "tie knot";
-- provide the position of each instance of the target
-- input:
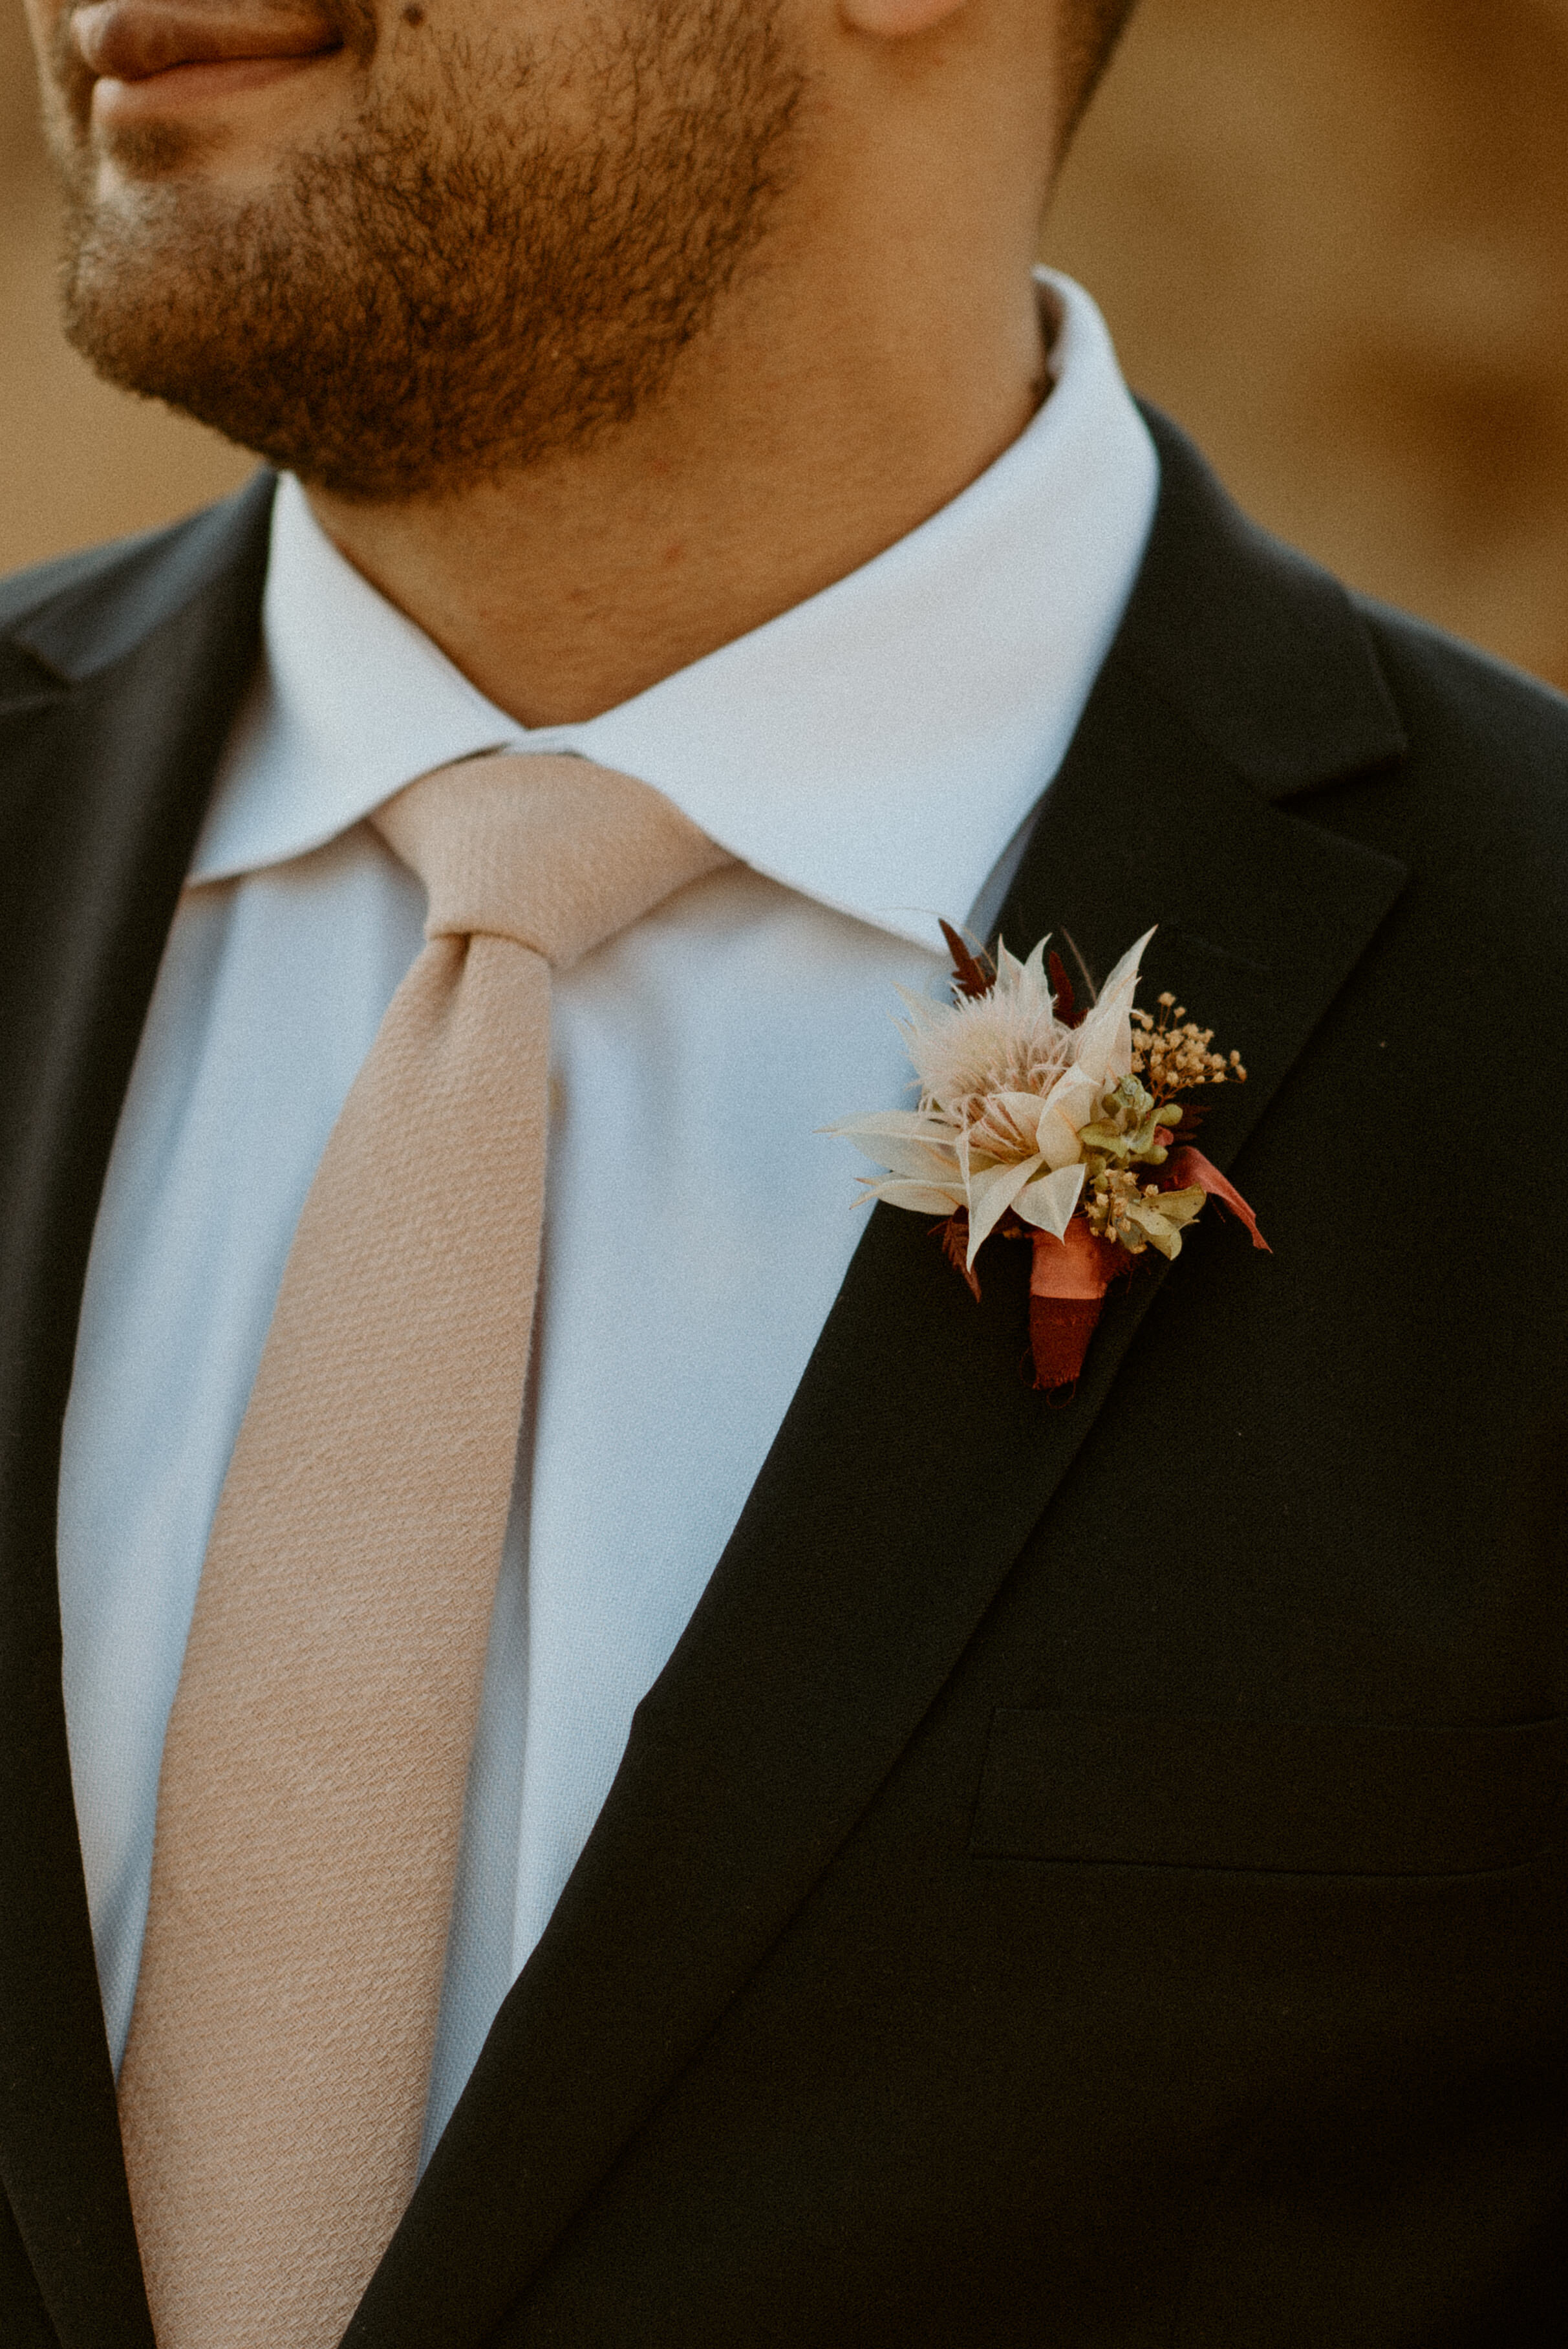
(551, 851)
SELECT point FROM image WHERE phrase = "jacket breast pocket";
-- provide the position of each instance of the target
(1317, 1798)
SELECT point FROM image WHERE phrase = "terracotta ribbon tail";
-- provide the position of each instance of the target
(1190, 1168)
(1066, 1293)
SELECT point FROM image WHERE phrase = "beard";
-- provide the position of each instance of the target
(466, 281)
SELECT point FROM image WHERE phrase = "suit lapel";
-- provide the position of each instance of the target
(915, 1460)
(115, 695)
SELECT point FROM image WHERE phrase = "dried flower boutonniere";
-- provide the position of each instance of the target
(1040, 1121)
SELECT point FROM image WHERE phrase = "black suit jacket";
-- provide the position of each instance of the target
(1087, 1875)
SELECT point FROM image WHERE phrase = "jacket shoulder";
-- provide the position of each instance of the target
(23, 592)
(1457, 701)
(1480, 802)
(79, 613)
(1300, 682)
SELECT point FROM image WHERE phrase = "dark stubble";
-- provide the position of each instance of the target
(462, 285)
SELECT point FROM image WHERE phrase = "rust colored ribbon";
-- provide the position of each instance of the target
(1190, 1167)
(1070, 1276)
(1067, 1292)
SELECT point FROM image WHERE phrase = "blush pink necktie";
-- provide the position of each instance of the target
(273, 2087)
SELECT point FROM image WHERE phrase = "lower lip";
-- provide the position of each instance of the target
(180, 89)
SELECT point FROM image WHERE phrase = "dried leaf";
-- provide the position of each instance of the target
(956, 1249)
(972, 975)
(1062, 992)
(1192, 1117)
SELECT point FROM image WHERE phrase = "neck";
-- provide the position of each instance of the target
(798, 440)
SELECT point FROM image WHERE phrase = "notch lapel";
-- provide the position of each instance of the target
(116, 695)
(915, 1461)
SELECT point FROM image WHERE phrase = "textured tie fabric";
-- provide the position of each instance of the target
(312, 1792)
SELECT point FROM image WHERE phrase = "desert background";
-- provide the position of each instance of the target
(1331, 237)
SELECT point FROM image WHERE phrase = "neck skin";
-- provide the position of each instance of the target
(884, 347)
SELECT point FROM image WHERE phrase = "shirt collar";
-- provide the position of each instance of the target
(877, 747)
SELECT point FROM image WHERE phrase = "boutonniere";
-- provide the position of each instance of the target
(1067, 1127)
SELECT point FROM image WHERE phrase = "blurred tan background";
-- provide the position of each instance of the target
(1331, 237)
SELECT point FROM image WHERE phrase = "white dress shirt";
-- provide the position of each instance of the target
(871, 756)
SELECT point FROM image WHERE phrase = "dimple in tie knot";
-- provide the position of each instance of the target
(551, 851)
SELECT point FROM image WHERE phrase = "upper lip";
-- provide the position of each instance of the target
(131, 39)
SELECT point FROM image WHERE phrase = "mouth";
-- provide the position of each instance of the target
(149, 58)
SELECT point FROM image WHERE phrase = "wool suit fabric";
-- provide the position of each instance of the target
(1094, 1873)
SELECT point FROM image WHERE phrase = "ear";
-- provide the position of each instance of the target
(895, 20)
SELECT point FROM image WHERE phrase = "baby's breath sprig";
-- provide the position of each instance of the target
(1172, 1053)
(1112, 1198)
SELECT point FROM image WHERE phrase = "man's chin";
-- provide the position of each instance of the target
(147, 253)
(422, 302)
(217, 311)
